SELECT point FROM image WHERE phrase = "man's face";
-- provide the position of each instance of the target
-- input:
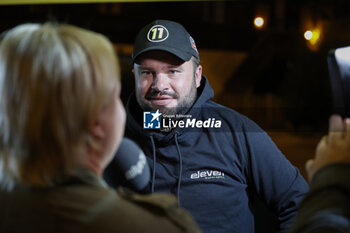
(165, 82)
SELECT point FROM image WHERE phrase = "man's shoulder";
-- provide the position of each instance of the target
(211, 106)
(228, 115)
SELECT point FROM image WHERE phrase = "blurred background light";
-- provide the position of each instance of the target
(308, 35)
(258, 22)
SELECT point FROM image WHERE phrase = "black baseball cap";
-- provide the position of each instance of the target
(167, 36)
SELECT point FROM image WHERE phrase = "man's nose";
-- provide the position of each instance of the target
(160, 82)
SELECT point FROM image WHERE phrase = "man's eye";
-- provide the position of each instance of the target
(174, 71)
(145, 72)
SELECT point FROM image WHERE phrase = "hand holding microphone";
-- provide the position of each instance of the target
(128, 168)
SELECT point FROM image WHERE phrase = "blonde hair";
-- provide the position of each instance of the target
(54, 80)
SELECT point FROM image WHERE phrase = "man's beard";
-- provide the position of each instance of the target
(182, 107)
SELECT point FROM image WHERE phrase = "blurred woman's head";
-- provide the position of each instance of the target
(59, 94)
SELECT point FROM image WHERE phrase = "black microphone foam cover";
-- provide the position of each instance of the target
(129, 167)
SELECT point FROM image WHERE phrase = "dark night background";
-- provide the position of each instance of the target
(281, 82)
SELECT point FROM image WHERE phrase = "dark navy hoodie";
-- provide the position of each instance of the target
(215, 172)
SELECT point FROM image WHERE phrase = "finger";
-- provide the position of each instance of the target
(336, 128)
(309, 166)
(321, 144)
(336, 123)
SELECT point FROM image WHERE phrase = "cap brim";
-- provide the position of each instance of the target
(184, 56)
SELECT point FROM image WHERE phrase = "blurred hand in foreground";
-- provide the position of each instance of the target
(333, 148)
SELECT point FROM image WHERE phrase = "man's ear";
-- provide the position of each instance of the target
(198, 75)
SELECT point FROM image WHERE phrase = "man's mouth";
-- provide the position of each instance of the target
(161, 100)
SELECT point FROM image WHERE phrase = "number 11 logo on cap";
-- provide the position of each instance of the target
(157, 33)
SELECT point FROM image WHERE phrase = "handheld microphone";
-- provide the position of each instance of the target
(339, 71)
(128, 168)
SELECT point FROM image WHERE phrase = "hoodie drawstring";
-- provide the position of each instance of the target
(180, 169)
(154, 164)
